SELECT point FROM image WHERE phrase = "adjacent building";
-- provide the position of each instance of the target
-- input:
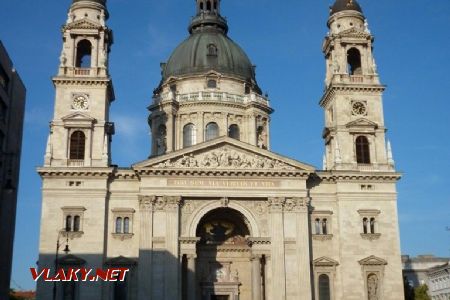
(214, 213)
(12, 107)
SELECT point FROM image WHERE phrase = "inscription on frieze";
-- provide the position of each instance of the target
(217, 183)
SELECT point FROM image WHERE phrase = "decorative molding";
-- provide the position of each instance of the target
(189, 240)
(120, 261)
(125, 210)
(122, 236)
(322, 237)
(73, 234)
(369, 212)
(258, 241)
(371, 236)
(74, 172)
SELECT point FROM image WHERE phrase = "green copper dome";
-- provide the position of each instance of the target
(206, 51)
(342, 5)
(208, 48)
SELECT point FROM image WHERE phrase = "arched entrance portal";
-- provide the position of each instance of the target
(224, 256)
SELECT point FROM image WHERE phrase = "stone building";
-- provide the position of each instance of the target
(416, 269)
(439, 282)
(12, 108)
(213, 213)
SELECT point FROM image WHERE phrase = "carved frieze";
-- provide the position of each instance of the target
(172, 203)
(296, 204)
(226, 159)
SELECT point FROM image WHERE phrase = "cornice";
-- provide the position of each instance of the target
(222, 173)
(336, 87)
(81, 81)
(47, 172)
(334, 176)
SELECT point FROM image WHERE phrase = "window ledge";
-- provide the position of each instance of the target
(122, 236)
(72, 234)
(322, 237)
(370, 236)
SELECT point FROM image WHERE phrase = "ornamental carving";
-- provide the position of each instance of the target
(225, 159)
(276, 204)
(296, 204)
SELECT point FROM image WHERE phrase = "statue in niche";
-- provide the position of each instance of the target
(336, 67)
(372, 287)
(262, 137)
(63, 59)
(104, 58)
(161, 141)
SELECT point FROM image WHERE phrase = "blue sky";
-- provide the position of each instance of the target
(283, 38)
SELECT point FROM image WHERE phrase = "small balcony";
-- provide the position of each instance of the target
(212, 96)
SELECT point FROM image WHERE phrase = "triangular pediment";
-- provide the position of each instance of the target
(372, 261)
(71, 260)
(224, 154)
(355, 33)
(83, 24)
(325, 262)
(120, 261)
(362, 123)
(78, 116)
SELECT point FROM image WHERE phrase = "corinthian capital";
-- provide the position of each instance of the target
(146, 202)
(276, 204)
(172, 202)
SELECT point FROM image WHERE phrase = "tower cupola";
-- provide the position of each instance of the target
(208, 17)
(345, 5)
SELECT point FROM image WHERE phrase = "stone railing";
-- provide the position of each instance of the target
(211, 96)
(75, 163)
(82, 72)
(345, 78)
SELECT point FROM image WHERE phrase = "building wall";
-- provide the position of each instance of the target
(12, 109)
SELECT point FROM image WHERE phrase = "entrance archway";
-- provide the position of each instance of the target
(223, 255)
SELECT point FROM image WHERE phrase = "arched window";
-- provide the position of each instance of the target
(201, 5)
(211, 84)
(77, 145)
(317, 226)
(84, 49)
(354, 62)
(372, 225)
(76, 223)
(362, 150)
(215, 5)
(365, 224)
(208, 6)
(212, 50)
(126, 225)
(119, 225)
(69, 223)
(189, 135)
(324, 287)
(234, 132)
(212, 131)
(324, 226)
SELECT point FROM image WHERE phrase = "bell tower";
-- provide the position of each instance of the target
(80, 132)
(354, 131)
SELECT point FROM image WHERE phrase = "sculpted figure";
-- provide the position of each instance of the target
(63, 59)
(372, 287)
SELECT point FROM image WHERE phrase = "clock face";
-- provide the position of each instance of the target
(80, 102)
(359, 108)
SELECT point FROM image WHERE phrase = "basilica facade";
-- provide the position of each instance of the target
(213, 213)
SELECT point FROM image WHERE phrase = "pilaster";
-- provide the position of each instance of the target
(276, 206)
(146, 206)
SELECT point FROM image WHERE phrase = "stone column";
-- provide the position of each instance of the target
(277, 247)
(172, 270)
(256, 277)
(268, 277)
(170, 132)
(191, 280)
(145, 247)
(300, 208)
